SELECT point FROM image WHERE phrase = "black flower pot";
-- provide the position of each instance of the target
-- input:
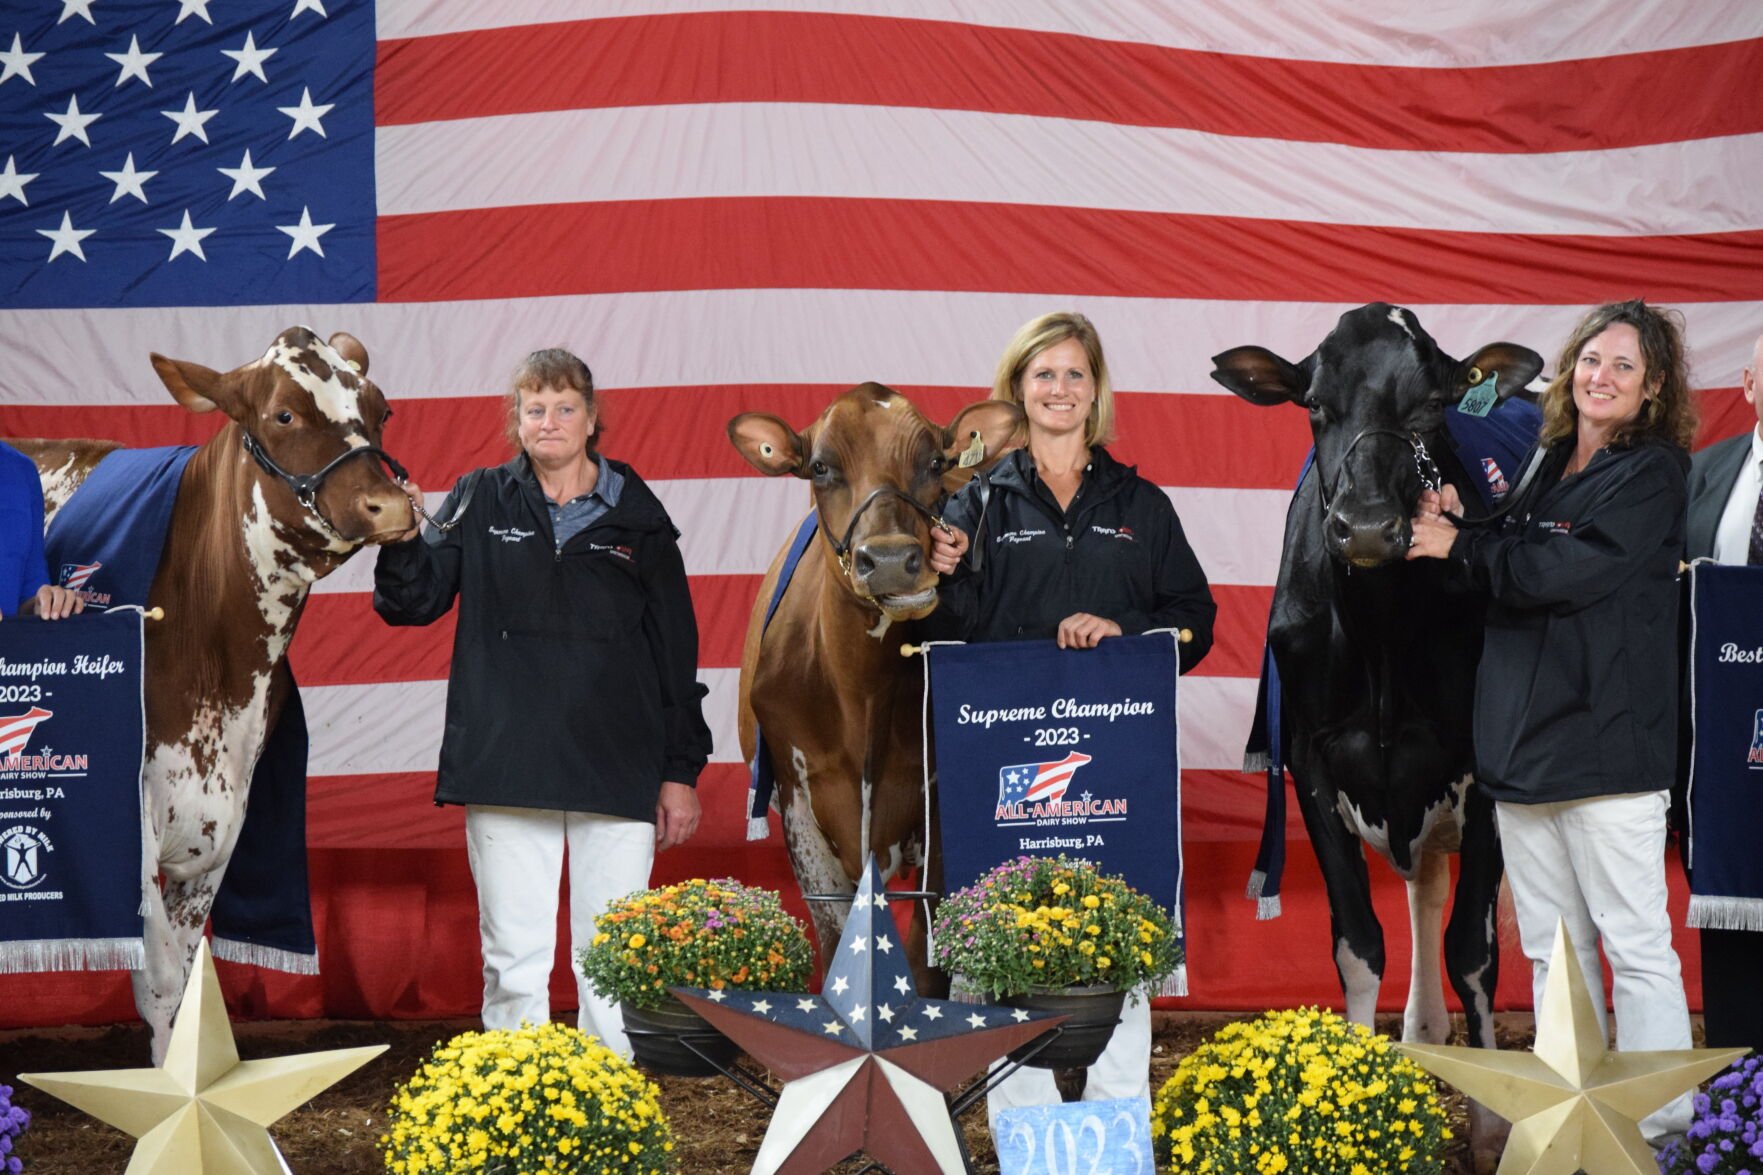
(1092, 1013)
(674, 1041)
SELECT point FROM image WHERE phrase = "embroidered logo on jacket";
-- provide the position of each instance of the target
(623, 552)
(1556, 527)
(511, 534)
(1027, 534)
(1115, 532)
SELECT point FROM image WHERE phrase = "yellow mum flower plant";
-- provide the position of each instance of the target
(1299, 1091)
(544, 1098)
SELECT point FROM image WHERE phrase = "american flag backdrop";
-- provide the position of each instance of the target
(726, 209)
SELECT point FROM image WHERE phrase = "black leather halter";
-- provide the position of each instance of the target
(842, 546)
(305, 486)
(1430, 477)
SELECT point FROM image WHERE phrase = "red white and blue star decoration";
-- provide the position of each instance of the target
(866, 1062)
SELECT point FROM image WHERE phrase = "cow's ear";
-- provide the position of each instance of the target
(1515, 366)
(350, 348)
(979, 435)
(190, 384)
(769, 445)
(1261, 377)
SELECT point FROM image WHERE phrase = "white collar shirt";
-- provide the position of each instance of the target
(1732, 538)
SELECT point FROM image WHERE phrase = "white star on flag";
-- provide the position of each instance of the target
(73, 124)
(306, 116)
(186, 238)
(1019, 1015)
(857, 1013)
(885, 1013)
(832, 1027)
(901, 984)
(309, 6)
(840, 986)
(305, 233)
(932, 1012)
(976, 1021)
(246, 178)
(189, 119)
(193, 8)
(134, 63)
(76, 8)
(805, 1005)
(12, 181)
(884, 946)
(128, 181)
(858, 946)
(907, 1032)
(717, 995)
(17, 63)
(881, 900)
(763, 1007)
(67, 238)
(250, 59)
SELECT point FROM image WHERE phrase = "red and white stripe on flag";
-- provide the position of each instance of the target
(725, 210)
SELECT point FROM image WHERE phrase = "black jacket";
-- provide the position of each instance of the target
(1577, 691)
(1118, 553)
(573, 684)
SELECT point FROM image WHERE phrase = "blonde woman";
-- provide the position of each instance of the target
(1075, 547)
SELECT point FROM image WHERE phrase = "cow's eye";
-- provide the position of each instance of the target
(938, 463)
(819, 469)
(284, 417)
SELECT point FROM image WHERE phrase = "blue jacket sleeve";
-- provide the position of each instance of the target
(22, 570)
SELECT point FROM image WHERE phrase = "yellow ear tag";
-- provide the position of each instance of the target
(973, 454)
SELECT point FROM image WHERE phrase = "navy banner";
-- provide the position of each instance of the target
(71, 740)
(1042, 751)
(1726, 760)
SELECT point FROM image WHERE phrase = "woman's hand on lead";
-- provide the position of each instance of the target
(1433, 532)
(676, 815)
(1081, 630)
(414, 493)
(947, 545)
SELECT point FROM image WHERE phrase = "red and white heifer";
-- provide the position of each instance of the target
(278, 499)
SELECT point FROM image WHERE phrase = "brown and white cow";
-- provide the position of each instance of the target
(241, 552)
(839, 708)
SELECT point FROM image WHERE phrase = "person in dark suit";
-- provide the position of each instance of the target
(1726, 525)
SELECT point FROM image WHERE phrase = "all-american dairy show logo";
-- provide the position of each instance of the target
(17, 762)
(74, 577)
(1034, 793)
(1754, 760)
(24, 853)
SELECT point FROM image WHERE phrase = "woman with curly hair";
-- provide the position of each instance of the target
(1576, 695)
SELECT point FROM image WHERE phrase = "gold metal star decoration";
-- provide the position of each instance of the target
(204, 1111)
(1573, 1102)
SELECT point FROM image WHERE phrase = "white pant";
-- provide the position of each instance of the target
(516, 859)
(1123, 1069)
(1599, 865)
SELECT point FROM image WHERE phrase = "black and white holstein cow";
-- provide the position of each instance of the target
(287, 490)
(1377, 656)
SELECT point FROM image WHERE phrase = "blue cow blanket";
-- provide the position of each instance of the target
(105, 543)
(1489, 448)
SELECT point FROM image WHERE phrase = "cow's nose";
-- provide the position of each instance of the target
(889, 568)
(1366, 540)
